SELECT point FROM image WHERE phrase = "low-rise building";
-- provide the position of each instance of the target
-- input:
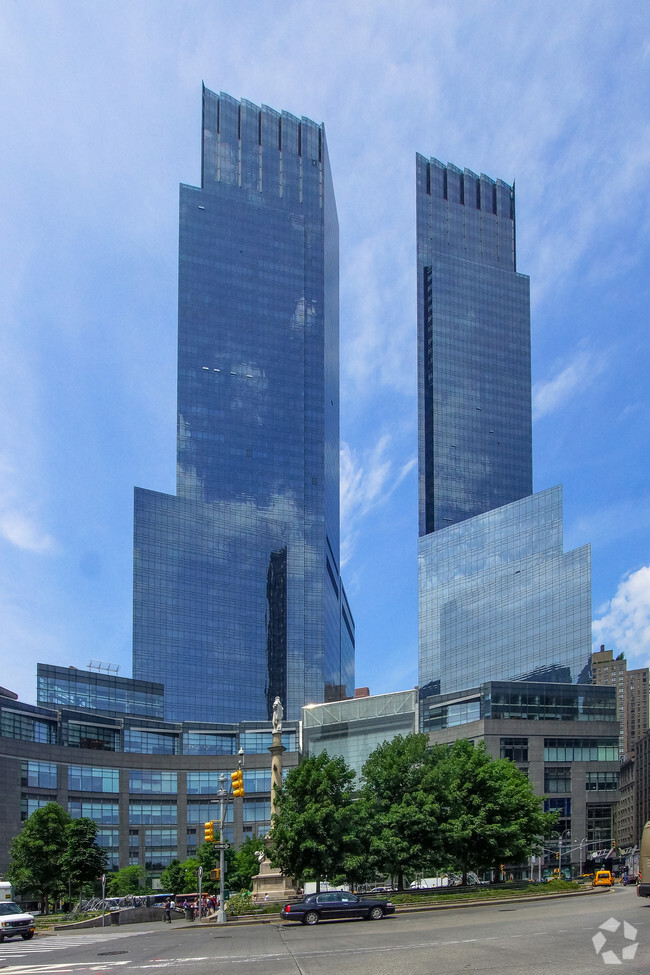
(147, 783)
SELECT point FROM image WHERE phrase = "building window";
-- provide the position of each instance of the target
(599, 826)
(160, 848)
(82, 778)
(516, 749)
(257, 780)
(25, 728)
(151, 813)
(97, 737)
(205, 783)
(142, 781)
(259, 742)
(601, 781)
(581, 749)
(203, 812)
(561, 806)
(29, 804)
(38, 775)
(557, 780)
(150, 743)
(204, 743)
(257, 811)
(104, 813)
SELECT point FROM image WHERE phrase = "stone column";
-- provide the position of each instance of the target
(277, 750)
(270, 883)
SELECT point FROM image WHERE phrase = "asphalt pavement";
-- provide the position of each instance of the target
(573, 935)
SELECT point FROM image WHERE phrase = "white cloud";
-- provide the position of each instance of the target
(368, 479)
(552, 394)
(22, 531)
(625, 623)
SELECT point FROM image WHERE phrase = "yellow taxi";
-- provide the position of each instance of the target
(603, 878)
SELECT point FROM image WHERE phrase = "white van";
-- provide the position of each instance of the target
(643, 884)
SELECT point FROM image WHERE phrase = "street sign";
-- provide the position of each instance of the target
(200, 872)
(222, 846)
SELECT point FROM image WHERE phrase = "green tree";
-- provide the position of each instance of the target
(208, 858)
(400, 808)
(83, 861)
(245, 864)
(172, 879)
(37, 853)
(128, 880)
(492, 812)
(313, 832)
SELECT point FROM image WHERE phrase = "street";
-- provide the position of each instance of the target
(551, 937)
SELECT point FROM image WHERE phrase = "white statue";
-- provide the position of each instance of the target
(278, 714)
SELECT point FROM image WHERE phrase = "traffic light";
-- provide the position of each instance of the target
(215, 874)
(237, 783)
(209, 831)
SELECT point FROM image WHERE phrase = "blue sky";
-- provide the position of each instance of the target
(101, 108)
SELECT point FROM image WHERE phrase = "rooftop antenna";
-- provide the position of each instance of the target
(101, 667)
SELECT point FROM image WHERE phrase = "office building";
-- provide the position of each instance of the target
(237, 589)
(632, 690)
(499, 599)
(147, 783)
(563, 736)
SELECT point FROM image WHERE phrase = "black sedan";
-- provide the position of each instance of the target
(334, 904)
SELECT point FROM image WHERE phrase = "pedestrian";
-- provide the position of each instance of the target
(168, 910)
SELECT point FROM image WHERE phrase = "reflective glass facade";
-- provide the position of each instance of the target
(237, 591)
(498, 597)
(475, 440)
(500, 600)
(517, 700)
(72, 688)
(353, 729)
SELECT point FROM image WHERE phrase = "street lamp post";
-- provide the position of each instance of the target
(222, 794)
(582, 859)
(222, 798)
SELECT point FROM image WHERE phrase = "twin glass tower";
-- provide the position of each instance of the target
(237, 591)
(498, 597)
(238, 596)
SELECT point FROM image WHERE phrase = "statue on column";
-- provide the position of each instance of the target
(278, 714)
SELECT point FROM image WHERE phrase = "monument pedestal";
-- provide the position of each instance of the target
(272, 882)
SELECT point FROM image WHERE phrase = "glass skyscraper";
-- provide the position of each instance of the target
(498, 597)
(237, 591)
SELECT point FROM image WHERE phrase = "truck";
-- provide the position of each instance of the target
(428, 882)
(6, 891)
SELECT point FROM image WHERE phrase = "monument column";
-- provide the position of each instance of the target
(270, 884)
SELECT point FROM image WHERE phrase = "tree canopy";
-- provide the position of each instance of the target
(37, 853)
(401, 808)
(313, 832)
(128, 880)
(83, 861)
(491, 811)
(419, 809)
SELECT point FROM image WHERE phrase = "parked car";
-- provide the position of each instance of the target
(14, 922)
(334, 905)
(603, 878)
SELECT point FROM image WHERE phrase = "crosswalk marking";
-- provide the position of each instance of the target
(53, 942)
(72, 966)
